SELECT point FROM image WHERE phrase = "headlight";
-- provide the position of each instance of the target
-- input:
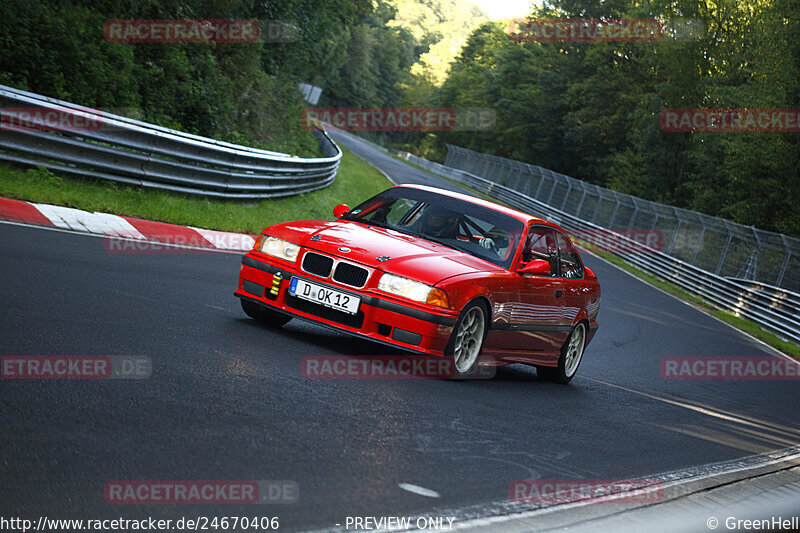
(280, 248)
(413, 290)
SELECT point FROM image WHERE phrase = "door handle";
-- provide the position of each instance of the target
(559, 293)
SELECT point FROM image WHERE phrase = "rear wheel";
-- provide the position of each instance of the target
(467, 340)
(264, 315)
(571, 355)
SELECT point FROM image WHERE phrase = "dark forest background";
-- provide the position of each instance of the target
(589, 110)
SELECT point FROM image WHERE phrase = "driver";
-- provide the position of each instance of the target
(443, 223)
(439, 222)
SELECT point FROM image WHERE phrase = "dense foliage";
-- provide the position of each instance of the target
(591, 110)
(237, 92)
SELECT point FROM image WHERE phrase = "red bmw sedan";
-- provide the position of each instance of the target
(433, 272)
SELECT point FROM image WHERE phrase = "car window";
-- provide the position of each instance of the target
(470, 228)
(541, 244)
(570, 263)
(390, 212)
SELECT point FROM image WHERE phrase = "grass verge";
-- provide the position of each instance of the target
(356, 180)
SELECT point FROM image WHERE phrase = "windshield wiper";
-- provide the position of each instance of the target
(434, 239)
(369, 222)
(403, 230)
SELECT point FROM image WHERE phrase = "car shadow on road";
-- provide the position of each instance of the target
(322, 341)
(329, 342)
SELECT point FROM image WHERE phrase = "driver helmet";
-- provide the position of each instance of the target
(439, 222)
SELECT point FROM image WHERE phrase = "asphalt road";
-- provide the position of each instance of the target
(227, 401)
(397, 170)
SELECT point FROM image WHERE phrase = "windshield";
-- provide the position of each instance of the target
(458, 224)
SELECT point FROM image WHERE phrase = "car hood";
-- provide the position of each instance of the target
(409, 256)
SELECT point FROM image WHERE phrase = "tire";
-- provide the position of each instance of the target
(570, 359)
(264, 315)
(466, 342)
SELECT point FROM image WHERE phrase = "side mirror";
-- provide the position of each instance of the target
(340, 210)
(537, 267)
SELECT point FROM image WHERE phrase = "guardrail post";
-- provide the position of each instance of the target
(507, 171)
(541, 183)
(756, 252)
(725, 249)
(566, 196)
(614, 213)
(473, 163)
(583, 197)
(785, 261)
(518, 181)
(635, 212)
(528, 173)
(700, 239)
(553, 188)
(675, 235)
(597, 205)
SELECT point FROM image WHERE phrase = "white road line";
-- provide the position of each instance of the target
(706, 411)
(416, 489)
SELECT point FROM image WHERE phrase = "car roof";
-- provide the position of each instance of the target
(519, 215)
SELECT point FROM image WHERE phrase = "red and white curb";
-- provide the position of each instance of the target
(112, 226)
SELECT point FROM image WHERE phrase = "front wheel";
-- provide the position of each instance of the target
(571, 355)
(264, 315)
(467, 340)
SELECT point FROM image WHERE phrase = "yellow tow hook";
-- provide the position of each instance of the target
(276, 283)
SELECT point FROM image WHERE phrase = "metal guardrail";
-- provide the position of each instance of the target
(125, 150)
(779, 298)
(773, 309)
(775, 292)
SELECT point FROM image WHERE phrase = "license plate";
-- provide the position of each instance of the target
(334, 299)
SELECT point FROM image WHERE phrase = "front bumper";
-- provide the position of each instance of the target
(378, 319)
